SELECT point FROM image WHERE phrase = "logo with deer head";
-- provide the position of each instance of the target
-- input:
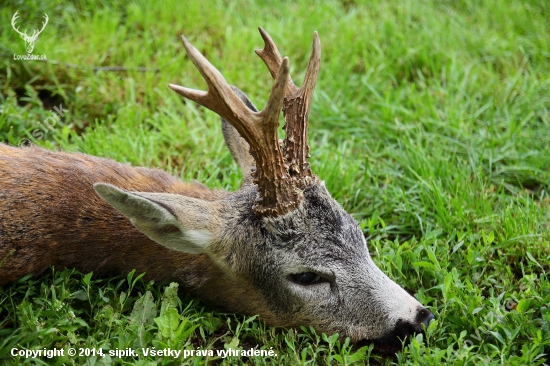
(29, 40)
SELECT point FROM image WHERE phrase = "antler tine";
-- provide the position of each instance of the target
(14, 20)
(276, 194)
(46, 18)
(296, 108)
(272, 58)
(219, 97)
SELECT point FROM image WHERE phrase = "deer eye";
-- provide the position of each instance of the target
(306, 278)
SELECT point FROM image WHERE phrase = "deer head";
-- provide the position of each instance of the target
(29, 40)
(301, 258)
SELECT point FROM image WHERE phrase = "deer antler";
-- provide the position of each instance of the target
(276, 190)
(36, 33)
(296, 109)
(13, 20)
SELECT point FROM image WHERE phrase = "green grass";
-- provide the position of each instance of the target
(430, 124)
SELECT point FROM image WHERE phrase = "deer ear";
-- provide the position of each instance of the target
(177, 222)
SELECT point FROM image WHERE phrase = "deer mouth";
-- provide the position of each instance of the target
(385, 346)
(401, 335)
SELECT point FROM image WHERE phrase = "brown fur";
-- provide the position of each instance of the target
(37, 185)
(51, 215)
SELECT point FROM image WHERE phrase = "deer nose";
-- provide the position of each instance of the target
(424, 316)
(404, 329)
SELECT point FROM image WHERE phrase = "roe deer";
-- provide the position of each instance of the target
(280, 246)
